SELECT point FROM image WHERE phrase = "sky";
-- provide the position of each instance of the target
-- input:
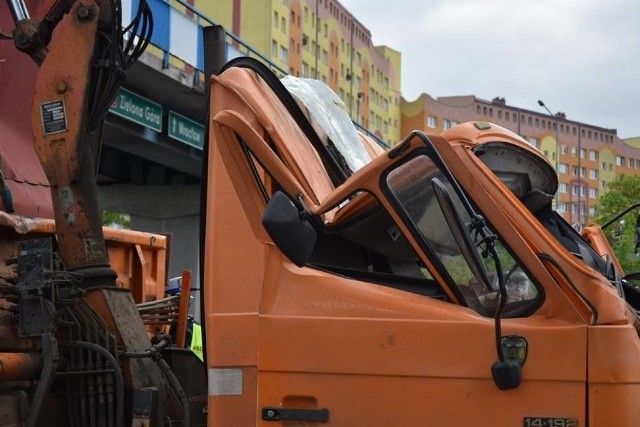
(581, 57)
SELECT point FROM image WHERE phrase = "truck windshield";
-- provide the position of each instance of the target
(411, 186)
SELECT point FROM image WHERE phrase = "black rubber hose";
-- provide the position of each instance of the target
(174, 383)
(177, 389)
(117, 373)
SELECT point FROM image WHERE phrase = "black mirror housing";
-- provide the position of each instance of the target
(507, 375)
(291, 233)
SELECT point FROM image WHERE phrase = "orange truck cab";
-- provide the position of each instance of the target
(431, 284)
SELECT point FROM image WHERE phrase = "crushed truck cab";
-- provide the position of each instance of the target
(433, 285)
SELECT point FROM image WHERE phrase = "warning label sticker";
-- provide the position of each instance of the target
(54, 117)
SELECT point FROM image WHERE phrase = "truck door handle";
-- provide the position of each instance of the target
(284, 414)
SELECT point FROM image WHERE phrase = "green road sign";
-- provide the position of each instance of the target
(185, 130)
(137, 109)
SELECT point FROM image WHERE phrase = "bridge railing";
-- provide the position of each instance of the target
(177, 33)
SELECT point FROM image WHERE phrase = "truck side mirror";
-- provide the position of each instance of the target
(287, 226)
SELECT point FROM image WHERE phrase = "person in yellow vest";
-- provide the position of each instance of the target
(196, 340)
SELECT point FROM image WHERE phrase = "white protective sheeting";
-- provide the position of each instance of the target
(326, 112)
(183, 39)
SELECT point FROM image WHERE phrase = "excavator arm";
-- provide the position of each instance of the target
(32, 35)
(82, 342)
(81, 69)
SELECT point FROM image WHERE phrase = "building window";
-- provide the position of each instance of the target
(500, 114)
(593, 155)
(563, 149)
(603, 184)
(630, 163)
(284, 54)
(561, 208)
(274, 48)
(592, 211)
(619, 161)
(446, 124)
(506, 116)
(276, 19)
(593, 174)
(432, 122)
(562, 187)
(283, 24)
(535, 142)
(583, 153)
(574, 189)
(574, 150)
(563, 168)
(583, 172)
(574, 170)
(478, 109)
(603, 166)
(593, 193)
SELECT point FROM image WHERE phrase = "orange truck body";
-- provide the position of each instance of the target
(428, 284)
(282, 337)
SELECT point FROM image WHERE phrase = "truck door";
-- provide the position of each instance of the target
(390, 324)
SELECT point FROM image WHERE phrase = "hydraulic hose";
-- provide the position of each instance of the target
(116, 372)
(154, 352)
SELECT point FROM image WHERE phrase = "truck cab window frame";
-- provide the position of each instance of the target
(437, 243)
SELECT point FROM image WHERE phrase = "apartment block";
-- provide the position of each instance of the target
(586, 157)
(321, 39)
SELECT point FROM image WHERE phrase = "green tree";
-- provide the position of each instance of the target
(621, 194)
(116, 220)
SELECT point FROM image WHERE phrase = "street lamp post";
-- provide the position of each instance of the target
(540, 103)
